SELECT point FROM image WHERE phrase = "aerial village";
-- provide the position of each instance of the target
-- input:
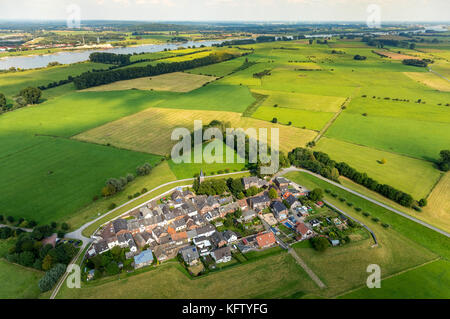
(205, 232)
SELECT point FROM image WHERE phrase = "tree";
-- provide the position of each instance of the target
(64, 226)
(423, 202)
(31, 95)
(112, 268)
(273, 193)
(412, 46)
(2, 101)
(316, 194)
(319, 243)
(274, 120)
(444, 161)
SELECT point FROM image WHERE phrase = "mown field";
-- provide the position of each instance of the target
(426, 282)
(150, 130)
(175, 82)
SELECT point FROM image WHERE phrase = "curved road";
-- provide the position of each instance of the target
(295, 169)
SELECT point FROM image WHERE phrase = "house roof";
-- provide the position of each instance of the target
(119, 224)
(189, 253)
(301, 228)
(179, 236)
(144, 257)
(266, 239)
(278, 207)
(260, 199)
(222, 252)
(291, 199)
(228, 234)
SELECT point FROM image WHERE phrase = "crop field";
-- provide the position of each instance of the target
(414, 176)
(150, 130)
(175, 82)
(393, 55)
(431, 281)
(275, 276)
(431, 80)
(12, 83)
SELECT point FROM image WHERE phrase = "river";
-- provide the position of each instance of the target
(68, 57)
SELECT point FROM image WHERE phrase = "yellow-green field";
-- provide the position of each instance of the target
(175, 82)
(429, 79)
(150, 130)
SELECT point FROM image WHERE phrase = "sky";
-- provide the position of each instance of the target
(227, 10)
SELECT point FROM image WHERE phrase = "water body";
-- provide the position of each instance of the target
(68, 57)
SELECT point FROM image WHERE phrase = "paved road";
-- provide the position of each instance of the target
(438, 74)
(294, 169)
(28, 230)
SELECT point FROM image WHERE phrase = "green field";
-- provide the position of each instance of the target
(431, 281)
(188, 170)
(18, 282)
(56, 177)
(276, 276)
(12, 83)
(413, 176)
(419, 139)
(212, 97)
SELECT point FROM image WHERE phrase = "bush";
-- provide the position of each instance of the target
(349, 204)
(385, 225)
(319, 243)
(342, 199)
(112, 206)
(334, 195)
(375, 219)
(144, 190)
(417, 208)
(328, 191)
(423, 202)
(358, 209)
(366, 214)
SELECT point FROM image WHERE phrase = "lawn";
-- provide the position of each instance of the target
(18, 282)
(276, 276)
(413, 176)
(56, 177)
(419, 139)
(431, 281)
(411, 230)
(174, 82)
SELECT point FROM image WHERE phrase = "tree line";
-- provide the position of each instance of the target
(110, 58)
(321, 164)
(90, 79)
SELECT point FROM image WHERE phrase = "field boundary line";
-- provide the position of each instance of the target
(336, 115)
(390, 276)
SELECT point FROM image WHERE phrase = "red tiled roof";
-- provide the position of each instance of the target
(266, 239)
(301, 228)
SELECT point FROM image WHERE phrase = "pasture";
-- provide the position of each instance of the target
(438, 208)
(431, 281)
(419, 139)
(276, 276)
(219, 69)
(18, 282)
(414, 176)
(56, 177)
(12, 83)
(174, 82)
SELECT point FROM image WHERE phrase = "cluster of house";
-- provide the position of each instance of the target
(181, 224)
